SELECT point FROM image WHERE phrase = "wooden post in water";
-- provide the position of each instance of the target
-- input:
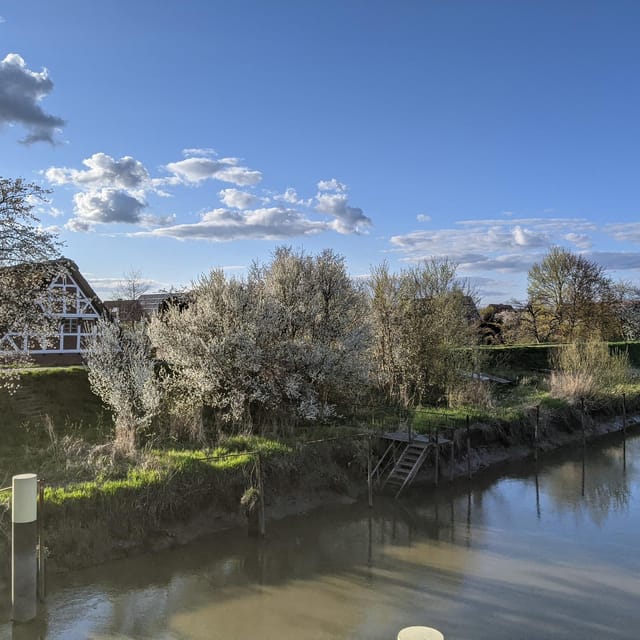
(584, 434)
(468, 449)
(261, 518)
(369, 478)
(624, 430)
(535, 434)
(24, 565)
(437, 456)
(537, 494)
(42, 552)
(451, 455)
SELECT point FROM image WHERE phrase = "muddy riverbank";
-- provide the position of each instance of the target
(75, 541)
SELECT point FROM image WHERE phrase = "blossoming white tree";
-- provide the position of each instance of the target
(122, 373)
(26, 262)
(288, 342)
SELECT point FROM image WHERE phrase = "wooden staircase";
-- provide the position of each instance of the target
(407, 466)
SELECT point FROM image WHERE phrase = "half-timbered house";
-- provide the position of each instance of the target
(73, 308)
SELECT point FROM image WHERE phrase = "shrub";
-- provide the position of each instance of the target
(586, 370)
(471, 392)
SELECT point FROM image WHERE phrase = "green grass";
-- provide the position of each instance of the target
(80, 421)
(61, 393)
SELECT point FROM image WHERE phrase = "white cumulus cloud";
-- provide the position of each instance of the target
(103, 171)
(237, 199)
(291, 196)
(104, 206)
(194, 170)
(220, 225)
(332, 185)
(119, 191)
(332, 199)
(21, 91)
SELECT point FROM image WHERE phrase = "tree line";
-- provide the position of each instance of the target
(569, 298)
(298, 339)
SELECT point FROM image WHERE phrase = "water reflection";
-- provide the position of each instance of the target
(542, 552)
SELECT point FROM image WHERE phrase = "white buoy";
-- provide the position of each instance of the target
(24, 566)
(419, 633)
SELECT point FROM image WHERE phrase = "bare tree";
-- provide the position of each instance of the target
(421, 323)
(128, 291)
(569, 297)
(626, 307)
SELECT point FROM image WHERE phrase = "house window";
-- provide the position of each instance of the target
(70, 326)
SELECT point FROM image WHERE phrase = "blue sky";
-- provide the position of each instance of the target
(180, 136)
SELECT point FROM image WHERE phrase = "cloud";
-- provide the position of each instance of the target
(241, 219)
(198, 151)
(111, 191)
(220, 225)
(580, 240)
(237, 199)
(493, 244)
(103, 171)
(331, 185)
(291, 197)
(523, 237)
(105, 206)
(194, 170)
(421, 217)
(332, 200)
(616, 260)
(624, 232)
(21, 91)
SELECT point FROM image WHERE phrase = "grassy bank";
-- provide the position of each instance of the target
(99, 505)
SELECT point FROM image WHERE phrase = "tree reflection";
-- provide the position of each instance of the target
(600, 475)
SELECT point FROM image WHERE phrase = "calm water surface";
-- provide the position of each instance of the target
(546, 555)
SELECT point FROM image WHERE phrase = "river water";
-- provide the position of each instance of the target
(524, 554)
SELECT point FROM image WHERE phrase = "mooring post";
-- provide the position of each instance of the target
(261, 518)
(468, 449)
(419, 633)
(535, 434)
(24, 567)
(42, 551)
(624, 429)
(584, 434)
(453, 433)
(369, 478)
(437, 456)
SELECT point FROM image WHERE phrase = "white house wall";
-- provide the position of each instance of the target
(77, 316)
